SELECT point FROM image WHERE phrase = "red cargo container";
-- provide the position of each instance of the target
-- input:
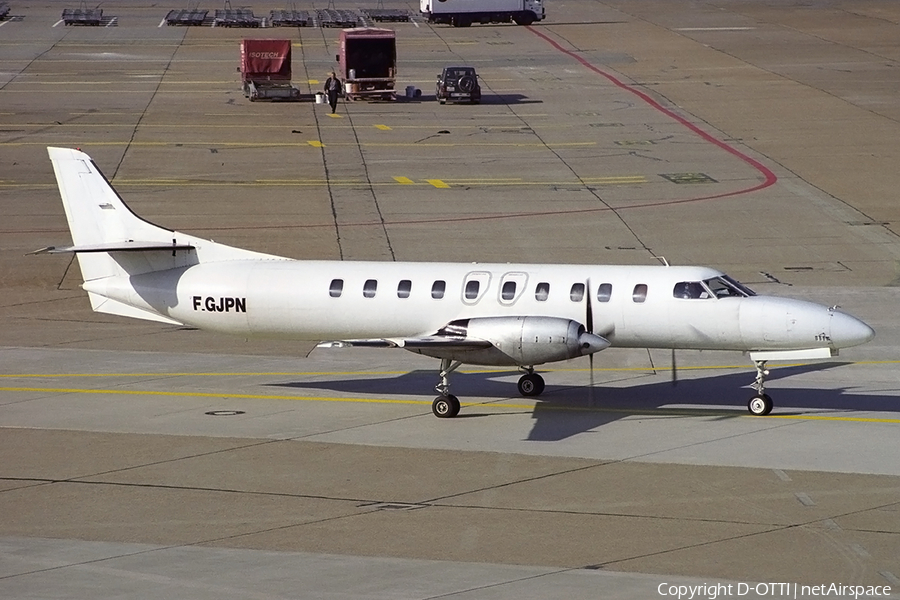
(266, 70)
(368, 62)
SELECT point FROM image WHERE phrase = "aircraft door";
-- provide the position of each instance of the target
(512, 285)
(645, 316)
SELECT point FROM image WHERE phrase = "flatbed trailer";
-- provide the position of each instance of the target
(266, 70)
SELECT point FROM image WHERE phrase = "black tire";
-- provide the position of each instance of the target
(760, 405)
(445, 406)
(524, 19)
(531, 384)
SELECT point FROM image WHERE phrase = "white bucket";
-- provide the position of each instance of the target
(348, 88)
(320, 98)
(410, 91)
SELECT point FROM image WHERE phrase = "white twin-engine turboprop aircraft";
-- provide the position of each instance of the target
(485, 314)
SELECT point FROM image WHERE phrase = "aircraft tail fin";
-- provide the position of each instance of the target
(109, 239)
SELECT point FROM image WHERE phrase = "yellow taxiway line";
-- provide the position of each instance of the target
(537, 406)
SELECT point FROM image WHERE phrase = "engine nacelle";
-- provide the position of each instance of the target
(524, 340)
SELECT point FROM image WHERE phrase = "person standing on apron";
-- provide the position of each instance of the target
(333, 88)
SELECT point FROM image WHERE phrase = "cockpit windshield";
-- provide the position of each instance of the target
(722, 286)
(725, 287)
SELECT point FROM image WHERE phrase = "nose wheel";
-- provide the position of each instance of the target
(760, 404)
(446, 405)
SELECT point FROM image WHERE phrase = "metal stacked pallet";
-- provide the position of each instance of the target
(82, 16)
(186, 17)
(235, 17)
(329, 17)
(386, 14)
(289, 18)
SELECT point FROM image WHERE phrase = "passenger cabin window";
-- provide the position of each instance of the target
(336, 288)
(542, 291)
(404, 288)
(604, 292)
(369, 288)
(508, 292)
(691, 290)
(577, 292)
(472, 287)
(639, 294)
(438, 288)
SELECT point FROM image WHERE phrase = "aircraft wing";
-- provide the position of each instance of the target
(424, 342)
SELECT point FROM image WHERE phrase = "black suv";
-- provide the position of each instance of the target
(458, 84)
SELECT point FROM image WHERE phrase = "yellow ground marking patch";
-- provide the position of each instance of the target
(382, 127)
(315, 144)
(404, 180)
(437, 183)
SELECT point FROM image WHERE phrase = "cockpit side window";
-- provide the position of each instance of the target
(691, 290)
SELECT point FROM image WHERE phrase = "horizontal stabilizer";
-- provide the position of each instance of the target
(126, 246)
(106, 305)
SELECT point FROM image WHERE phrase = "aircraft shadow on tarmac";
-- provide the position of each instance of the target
(565, 410)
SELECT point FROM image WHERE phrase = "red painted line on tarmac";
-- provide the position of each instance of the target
(769, 178)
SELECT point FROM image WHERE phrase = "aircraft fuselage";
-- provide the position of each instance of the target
(631, 306)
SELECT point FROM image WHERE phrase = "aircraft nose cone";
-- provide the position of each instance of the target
(591, 343)
(847, 330)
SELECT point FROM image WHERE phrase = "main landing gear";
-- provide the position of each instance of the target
(530, 384)
(447, 405)
(761, 403)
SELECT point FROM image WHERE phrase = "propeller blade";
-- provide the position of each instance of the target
(590, 308)
(591, 388)
(589, 323)
(674, 370)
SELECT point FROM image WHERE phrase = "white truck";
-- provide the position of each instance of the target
(462, 13)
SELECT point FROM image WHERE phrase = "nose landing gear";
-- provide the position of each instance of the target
(760, 404)
(446, 405)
